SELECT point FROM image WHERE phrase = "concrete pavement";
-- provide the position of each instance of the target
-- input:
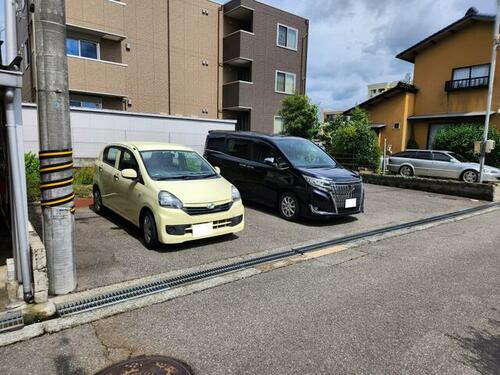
(424, 303)
(109, 249)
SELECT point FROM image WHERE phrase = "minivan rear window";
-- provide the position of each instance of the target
(240, 148)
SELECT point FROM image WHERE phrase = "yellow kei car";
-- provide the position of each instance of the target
(171, 192)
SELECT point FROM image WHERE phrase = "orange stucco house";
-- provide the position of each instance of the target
(451, 76)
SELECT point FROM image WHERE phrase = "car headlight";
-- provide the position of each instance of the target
(319, 183)
(165, 199)
(235, 194)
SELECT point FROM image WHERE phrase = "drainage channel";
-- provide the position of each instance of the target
(127, 294)
(10, 321)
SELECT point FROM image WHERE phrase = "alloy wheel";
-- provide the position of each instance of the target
(406, 171)
(288, 206)
(147, 229)
(470, 177)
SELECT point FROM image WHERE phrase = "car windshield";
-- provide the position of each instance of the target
(172, 165)
(305, 154)
(460, 158)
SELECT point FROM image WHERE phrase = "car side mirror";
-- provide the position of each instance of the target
(270, 161)
(129, 174)
(217, 169)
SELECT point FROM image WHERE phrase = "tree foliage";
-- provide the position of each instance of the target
(300, 116)
(351, 140)
(461, 138)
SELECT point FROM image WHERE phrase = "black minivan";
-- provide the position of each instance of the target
(292, 174)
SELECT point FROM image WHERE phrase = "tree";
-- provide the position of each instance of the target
(300, 116)
(460, 139)
(353, 142)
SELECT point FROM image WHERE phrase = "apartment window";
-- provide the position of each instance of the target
(287, 37)
(82, 48)
(278, 125)
(469, 76)
(285, 82)
(476, 71)
(85, 102)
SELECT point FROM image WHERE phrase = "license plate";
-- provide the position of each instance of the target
(350, 203)
(200, 230)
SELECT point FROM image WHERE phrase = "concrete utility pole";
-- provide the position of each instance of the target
(13, 117)
(56, 156)
(496, 43)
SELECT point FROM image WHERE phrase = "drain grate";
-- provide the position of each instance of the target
(130, 293)
(127, 294)
(10, 321)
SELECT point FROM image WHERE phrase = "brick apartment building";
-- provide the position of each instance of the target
(194, 58)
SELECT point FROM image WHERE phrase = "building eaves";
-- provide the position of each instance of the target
(470, 17)
(401, 87)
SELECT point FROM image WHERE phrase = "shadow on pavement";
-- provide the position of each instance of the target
(306, 222)
(122, 224)
(482, 347)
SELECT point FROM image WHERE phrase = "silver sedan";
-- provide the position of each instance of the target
(444, 164)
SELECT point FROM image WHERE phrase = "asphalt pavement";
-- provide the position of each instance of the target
(423, 303)
(109, 249)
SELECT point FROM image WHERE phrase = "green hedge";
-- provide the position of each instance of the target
(32, 165)
(461, 138)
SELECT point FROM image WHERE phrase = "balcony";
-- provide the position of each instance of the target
(468, 83)
(238, 95)
(238, 48)
(105, 18)
(97, 77)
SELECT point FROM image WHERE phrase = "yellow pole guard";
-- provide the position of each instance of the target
(56, 167)
(55, 154)
(55, 184)
(58, 202)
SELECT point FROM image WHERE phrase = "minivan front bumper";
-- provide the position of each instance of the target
(176, 226)
(327, 204)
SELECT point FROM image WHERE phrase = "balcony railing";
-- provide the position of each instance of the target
(468, 83)
(238, 94)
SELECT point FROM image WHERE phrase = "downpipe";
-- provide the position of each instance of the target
(19, 206)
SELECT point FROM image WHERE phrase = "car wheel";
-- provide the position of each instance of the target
(289, 206)
(149, 233)
(406, 171)
(470, 177)
(98, 206)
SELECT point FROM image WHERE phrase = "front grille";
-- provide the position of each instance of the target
(193, 211)
(346, 190)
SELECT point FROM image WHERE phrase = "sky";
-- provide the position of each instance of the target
(353, 43)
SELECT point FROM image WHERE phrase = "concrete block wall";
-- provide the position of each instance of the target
(39, 265)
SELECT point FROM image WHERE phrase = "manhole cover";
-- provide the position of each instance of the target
(155, 365)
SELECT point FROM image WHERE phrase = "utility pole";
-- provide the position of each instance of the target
(56, 155)
(496, 43)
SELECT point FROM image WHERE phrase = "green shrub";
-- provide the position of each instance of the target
(460, 139)
(354, 143)
(32, 165)
(300, 116)
(84, 176)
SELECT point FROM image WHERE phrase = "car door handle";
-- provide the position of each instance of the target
(116, 176)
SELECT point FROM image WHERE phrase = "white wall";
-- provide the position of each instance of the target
(92, 129)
